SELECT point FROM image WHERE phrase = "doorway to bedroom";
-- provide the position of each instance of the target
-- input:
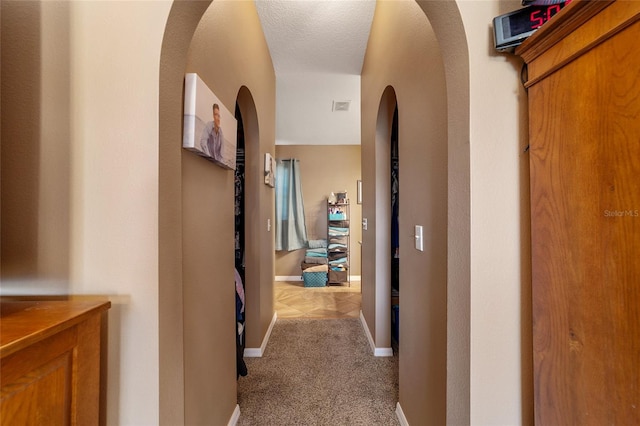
(323, 170)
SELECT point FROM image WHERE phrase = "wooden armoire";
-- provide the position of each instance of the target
(583, 86)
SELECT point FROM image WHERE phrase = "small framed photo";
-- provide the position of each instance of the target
(269, 170)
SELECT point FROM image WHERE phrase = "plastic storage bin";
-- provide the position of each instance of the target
(314, 279)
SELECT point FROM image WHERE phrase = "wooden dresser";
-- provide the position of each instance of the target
(584, 134)
(50, 361)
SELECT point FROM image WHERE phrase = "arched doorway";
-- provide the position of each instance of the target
(383, 229)
(252, 175)
(181, 24)
(446, 20)
(394, 252)
(432, 91)
(197, 360)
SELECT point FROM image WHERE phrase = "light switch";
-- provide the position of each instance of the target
(364, 223)
(419, 240)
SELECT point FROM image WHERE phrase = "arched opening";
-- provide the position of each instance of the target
(383, 228)
(394, 251)
(164, 298)
(181, 24)
(196, 204)
(446, 20)
(447, 25)
(251, 255)
(433, 90)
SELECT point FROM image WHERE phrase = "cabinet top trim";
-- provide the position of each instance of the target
(24, 322)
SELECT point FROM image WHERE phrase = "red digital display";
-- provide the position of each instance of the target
(539, 16)
(512, 28)
(530, 18)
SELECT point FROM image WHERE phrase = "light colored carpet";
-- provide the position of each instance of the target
(318, 372)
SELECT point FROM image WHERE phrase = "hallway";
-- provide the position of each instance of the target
(319, 371)
(99, 197)
(318, 367)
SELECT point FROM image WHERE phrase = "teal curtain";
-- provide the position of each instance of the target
(291, 231)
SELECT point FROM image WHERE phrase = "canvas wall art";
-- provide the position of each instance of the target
(210, 129)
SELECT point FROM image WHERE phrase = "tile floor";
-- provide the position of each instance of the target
(293, 300)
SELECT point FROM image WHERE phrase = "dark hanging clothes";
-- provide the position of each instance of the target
(395, 203)
(241, 367)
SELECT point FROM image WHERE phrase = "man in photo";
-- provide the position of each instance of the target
(212, 137)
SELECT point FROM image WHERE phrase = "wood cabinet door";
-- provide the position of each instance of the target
(585, 196)
(37, 383)
(54, 381)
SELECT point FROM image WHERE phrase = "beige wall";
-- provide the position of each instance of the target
(80, 173)
(416, 73)
(208, 213)
(82, 78)
(36, 100)
(323, 169)
(501, 352)
(88, 207)
(487, 301)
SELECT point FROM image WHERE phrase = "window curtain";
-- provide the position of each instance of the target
(291, 231)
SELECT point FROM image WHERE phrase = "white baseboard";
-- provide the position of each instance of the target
(234, 417)
(381, 352)
(354, 277)
(367, 332)
(288, 278)
(253, 353)
(257, 352)
(400, 414)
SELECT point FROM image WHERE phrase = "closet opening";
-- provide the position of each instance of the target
(395, 234)
(239, 257)
(386, 237)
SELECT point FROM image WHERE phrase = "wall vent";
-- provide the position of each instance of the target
(340, 106)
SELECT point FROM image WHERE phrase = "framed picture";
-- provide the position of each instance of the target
(210, 129)
(269, 170)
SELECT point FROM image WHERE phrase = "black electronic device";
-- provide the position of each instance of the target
(513, 28)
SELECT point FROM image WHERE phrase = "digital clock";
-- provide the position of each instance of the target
(512, 28)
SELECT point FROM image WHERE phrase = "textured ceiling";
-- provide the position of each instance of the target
(320, 36)
(317, 48)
